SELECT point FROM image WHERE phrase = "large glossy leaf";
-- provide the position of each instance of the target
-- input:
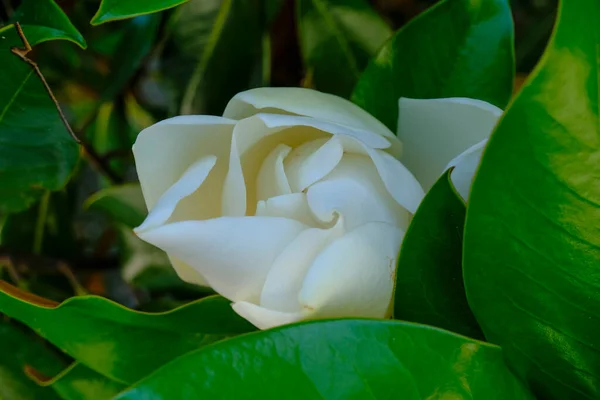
(78, 382)
(43, 20)
(230, 58)
(120, 343)
(458, 48)
(19, 349)
(343, 359)
(532, 249)
(337, 38)
(429, 280)
(112, 10)
(37, 153)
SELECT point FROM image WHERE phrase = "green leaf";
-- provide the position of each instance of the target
(337, 38)
(78, 382)
(122, 203)
(43, 20)
(229, 61)
(458, 48)
(117, 342)
(37, 152)
(532, 249)
(429, 284)
(20, 349)
(342, 359)
(113, 10)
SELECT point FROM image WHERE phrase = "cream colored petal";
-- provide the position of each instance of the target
(189, 182)
(187, 273)
(312, 161)
(398, 180)
(294, 206)
(354, 275)
(369, 138)
(355, 190)
(234, 201)
(252, 143)
(300, 101)
(264, 318)
(234, 254)
(164, 151)
(465, 166)
(272, 180)
(285, 278)
(435, 131)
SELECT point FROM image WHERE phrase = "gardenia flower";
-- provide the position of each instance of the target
(294, 204)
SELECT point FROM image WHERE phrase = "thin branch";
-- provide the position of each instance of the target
(40, 225)
(22, 52)
(94, 157)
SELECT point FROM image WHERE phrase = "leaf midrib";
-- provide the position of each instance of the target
(15, 95)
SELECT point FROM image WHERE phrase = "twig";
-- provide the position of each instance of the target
(94, 157)
(40, 225)
(22, 52)
(66, 271)
(6, 262)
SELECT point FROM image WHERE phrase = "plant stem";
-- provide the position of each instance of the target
(40, 225)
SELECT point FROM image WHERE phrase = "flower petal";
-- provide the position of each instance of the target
(354, 276)
(234, 201)
(272, 180)
(355, 191)
(293, 206)
(300, 101)
(264, 318)
(253, 140)
(465, 166)
(285, 278)
(312, 161)
(434, 132)
(369, 138)
(234, 254)
(165, 150)
(189, 182)
(398, 180)
(187, 273)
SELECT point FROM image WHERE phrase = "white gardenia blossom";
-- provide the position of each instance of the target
(294, 204)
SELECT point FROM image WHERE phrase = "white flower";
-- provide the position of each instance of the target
(293, 205)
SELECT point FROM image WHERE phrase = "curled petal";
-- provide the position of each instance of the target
(436, 131)
(354, 276)
(166, 149)
(264, 318)
(234, 254)
(398, 180)
(312, 161)
(311, 103)
(189, 182)
(294, 206)
(355, 190)
(272, 180)
(465, 166)
(285, 278)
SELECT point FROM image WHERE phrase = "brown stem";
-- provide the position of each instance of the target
(94, 157)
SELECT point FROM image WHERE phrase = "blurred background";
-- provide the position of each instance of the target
(186, 60)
